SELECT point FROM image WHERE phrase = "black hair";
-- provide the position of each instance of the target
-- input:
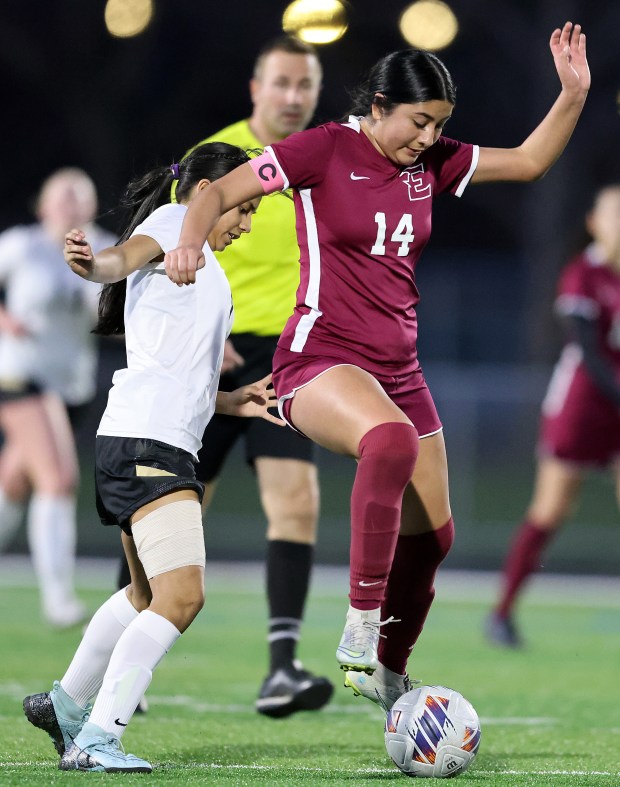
(409, 76)
(211, 160)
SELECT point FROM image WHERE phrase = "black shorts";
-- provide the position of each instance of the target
(261, 437)
(19, 390)
(132, 471)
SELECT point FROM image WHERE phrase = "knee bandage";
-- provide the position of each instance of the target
(170, 537)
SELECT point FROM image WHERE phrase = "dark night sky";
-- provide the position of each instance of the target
(72, 95)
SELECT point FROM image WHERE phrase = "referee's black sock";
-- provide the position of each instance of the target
(288, 577)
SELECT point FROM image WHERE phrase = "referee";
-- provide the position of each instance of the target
(263, 271)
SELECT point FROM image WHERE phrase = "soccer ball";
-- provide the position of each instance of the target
(432, 731)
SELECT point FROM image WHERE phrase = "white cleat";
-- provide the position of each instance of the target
(383, 687)
(360, 639)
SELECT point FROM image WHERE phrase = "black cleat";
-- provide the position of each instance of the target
(502, 631)
(290, 689)
(42, 710)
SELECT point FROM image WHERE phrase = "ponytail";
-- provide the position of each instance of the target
(209, 161)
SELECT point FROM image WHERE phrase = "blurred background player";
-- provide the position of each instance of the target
(580, 426)
(48, 365)
(263, 271)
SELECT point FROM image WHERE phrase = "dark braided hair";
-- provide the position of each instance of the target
(211, 160)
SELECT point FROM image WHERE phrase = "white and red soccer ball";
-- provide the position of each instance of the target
(432, 731)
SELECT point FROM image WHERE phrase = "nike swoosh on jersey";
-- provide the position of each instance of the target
(368, 584)
(359, 177)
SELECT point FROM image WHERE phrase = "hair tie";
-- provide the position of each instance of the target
(174, 168)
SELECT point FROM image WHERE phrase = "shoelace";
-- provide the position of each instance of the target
(370, 627)
(409, 683)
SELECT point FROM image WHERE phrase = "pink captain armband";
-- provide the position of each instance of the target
(268, 172)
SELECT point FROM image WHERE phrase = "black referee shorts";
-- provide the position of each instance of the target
(261, 438)
(133, 471)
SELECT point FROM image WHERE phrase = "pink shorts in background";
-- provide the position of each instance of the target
(292, 371)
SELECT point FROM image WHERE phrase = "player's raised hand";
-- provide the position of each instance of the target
(78, 253)
(568, 47)
(182, 263)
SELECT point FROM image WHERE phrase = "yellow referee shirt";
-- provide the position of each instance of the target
(262, 266)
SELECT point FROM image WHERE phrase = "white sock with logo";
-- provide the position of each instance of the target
(84, 677)
(138, 651)
(11, 515)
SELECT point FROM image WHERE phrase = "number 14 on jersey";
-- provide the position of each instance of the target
(403, 234)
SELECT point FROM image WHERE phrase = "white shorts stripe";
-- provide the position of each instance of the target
(561, 380)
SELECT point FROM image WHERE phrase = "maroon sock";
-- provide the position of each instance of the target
(522, 560)
(387, 457)
(410, 592)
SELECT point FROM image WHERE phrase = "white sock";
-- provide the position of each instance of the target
(83, 678)
(52, 541)
(11, 515)
(139, 650)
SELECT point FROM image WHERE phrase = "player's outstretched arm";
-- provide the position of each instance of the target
(534, 157)
(111, 264)
(250, 401)
(202, 215)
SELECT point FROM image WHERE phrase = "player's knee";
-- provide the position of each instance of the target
(300, 527)
(292, 511)
(139, 597)
(392, 447)
(55, 484)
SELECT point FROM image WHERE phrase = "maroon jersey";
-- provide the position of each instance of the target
(590, 288)
(580, 424)
(362, 223)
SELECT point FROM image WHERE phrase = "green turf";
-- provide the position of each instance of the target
(550, 714)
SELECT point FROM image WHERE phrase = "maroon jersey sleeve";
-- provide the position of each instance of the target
(304, 157)
(576, 291)
(453, 164)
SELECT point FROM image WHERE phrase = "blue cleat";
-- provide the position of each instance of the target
(57, 714)
(94, 749)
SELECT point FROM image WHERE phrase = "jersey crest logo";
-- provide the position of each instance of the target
(411, 177)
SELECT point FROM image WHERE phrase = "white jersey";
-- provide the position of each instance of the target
(175, 345)
(58, 310)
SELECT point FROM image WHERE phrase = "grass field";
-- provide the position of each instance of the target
(550, 714)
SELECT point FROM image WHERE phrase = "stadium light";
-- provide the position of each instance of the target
(316, 21)
(127, 18)
(429, 24)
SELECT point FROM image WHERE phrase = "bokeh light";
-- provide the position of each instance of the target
(429, 24)
(127, 18)
(316, 21)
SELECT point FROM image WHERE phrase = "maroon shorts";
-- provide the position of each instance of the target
(579, 424)
(409, 392)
